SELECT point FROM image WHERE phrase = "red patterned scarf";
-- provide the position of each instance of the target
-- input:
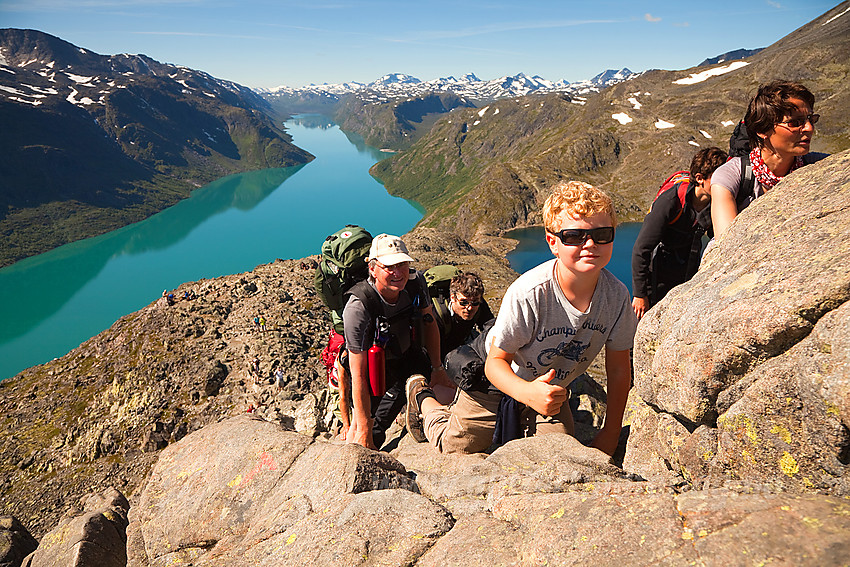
(766, 178)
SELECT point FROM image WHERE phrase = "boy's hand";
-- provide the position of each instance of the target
(545, 398)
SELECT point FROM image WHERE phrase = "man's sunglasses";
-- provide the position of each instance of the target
(800, 121)
(468, 303)
(578, 236)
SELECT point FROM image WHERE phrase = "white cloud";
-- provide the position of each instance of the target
(650, 18)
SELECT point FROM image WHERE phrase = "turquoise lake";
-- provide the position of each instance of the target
(51, 303)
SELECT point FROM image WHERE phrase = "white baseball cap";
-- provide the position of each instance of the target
(389, 250)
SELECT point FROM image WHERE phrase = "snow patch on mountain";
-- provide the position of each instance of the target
(694, 78)
(663, 124)
(622, 117)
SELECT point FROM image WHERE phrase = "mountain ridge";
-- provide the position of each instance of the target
(483, 174)
(92, 142)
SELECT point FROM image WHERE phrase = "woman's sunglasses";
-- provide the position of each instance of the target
(799, 121)
(578, 236)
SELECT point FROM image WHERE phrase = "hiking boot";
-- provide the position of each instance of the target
(413, 417)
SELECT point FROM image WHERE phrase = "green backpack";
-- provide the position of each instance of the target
(438, 279)
(343, 264)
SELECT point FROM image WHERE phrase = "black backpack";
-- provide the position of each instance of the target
(739, 146)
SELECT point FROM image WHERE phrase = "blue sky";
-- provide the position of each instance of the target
(265, 43)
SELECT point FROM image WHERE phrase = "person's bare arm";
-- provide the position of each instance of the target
(639, 306)
(539, 395)
(723, 209)
(618, 367)
(360, 431)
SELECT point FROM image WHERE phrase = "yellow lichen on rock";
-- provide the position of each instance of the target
(788, 464)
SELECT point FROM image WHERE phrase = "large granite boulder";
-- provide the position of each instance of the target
(246, 492)
(94, 536)
(16, 542)
(744, 372)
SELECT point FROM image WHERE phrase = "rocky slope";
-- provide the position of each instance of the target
(91, 142)
(736, 448)
(98, 416)
(483, 171)
(743, 371)
(396, 123)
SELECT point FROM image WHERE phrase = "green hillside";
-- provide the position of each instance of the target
(485, 171)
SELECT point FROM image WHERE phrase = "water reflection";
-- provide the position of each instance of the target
(33, 282)
(52, 302)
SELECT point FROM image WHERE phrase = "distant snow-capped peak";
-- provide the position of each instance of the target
(396, 85)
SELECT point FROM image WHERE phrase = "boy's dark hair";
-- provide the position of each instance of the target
(468, 284)
(706, 161)
(770, 106)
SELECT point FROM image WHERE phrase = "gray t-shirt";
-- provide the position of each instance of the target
(728, 175)
(543, 330)
(360, 325)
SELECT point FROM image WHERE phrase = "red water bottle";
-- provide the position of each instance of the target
(377, 370)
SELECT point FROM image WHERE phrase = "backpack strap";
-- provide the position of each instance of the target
(443, 311)
(368, 296)
(746, 194)
(374, 305)
(681, 193)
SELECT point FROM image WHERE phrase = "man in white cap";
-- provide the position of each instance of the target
(395, 303)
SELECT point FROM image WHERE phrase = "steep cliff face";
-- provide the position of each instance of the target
(743, 372)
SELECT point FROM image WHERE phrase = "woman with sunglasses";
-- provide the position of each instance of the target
(780, 122)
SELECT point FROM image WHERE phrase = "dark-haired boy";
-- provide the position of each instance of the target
(668, 248)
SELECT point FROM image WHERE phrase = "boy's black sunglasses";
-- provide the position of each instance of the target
(578, 236)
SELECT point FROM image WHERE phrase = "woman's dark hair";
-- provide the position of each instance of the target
(706, 161)
(770, 106)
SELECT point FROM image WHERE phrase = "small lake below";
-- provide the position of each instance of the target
(533, 250)
(51, 303)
